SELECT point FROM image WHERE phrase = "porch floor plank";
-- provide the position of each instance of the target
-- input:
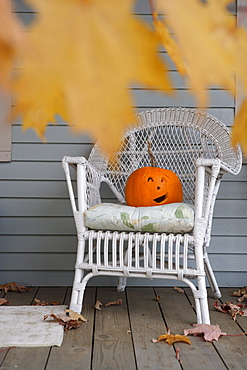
(179, 315)
(231, 349)
(147, 323)
(76, 349)
(120, 336)
(113, 348)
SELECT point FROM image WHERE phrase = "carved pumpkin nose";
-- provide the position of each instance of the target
(158, 188)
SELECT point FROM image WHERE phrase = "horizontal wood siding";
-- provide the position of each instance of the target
(37, 231)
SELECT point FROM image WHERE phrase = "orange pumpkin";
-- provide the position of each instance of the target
(153, 186)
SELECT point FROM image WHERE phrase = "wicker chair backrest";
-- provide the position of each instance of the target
(178, 137)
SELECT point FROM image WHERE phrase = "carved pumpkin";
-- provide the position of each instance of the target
(153, 186)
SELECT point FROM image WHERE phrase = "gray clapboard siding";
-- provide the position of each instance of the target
(145, 98)
(65, 135)
(65, 262)
(48, 152)
(20, 207)
(37, 231)
(46, 171)
(63, 278)
(143, 7)
(42, 244)
(26, 189)
(67, 243)
(37, 225)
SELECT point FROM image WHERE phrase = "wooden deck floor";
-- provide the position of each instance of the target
(120, 337)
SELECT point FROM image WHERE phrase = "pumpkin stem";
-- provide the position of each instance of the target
(152, 158)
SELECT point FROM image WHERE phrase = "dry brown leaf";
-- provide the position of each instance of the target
(157, 298)
(242, 292)
(171, 338)
(242, 298)
(76, 316)
(82, 66)
(3, 301)
(179, 290)
(211, 332)
(97, 305)
(65, 320)
(232, 308)
(14, 287)
(38, 302)
(178, 355)
(113, 303)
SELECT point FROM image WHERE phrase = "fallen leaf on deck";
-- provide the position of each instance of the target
(113, 303)
(242, 293)
(3, 301)
(158, 297)
(38, 302)
(14, 287)
(178, 355)
(171, 338)
(232, 308)
(179, 290)
(97, 305)
(76, 316)
(65, 320)
(211, 332)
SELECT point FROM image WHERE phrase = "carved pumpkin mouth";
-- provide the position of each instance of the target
(161, 199)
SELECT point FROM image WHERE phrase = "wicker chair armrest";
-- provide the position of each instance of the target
(88, 182)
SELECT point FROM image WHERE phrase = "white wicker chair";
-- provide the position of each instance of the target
(196, 146)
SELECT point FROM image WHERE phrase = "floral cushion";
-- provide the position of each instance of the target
(168, 218)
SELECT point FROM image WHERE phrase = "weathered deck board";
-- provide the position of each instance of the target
(232, 349)
(147, 323)
(179, 315)
(76, 349)
(105, 341)
(112, 347)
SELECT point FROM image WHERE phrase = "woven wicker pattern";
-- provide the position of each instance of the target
(178, 136)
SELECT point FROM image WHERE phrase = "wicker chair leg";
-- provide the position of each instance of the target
(121, 284)
(201, 294)
(211, 278)
(77, 292)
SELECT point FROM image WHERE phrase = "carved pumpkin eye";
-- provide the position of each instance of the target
(150, 179)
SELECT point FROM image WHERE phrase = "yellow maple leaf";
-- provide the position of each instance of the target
(12, 41)
(171, 338)
(169, 43)
(86, 54)
(239, 130)
(205, 34)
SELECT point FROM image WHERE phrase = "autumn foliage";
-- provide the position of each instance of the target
(80, 58)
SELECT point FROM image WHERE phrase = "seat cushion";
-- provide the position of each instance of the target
(169, 218)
